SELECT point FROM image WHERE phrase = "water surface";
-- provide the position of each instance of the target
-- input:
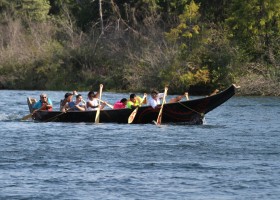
(234, 155)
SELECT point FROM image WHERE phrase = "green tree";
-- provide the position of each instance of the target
(183, 70)
(34, 10)
(255, 25)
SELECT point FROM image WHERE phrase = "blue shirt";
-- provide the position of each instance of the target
(72, 105)
(38, 104)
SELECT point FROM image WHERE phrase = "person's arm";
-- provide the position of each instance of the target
(66, 108)
(172, 100)
(80, 107)
(38, 106)
(48, 104)
(142, 100)
(62, 104)
(103, 104)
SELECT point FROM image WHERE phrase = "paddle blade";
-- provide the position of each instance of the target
(132, 115)
(163, 101)
(27, 117)
(97, 116)
(159, 118)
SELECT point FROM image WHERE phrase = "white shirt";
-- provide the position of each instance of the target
(94, 102)
(154, 102)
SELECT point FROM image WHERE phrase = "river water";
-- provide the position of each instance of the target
(234, 155)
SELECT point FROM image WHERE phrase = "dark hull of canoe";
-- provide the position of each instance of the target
(185, 112)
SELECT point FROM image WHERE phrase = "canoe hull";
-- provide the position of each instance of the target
(186, 112)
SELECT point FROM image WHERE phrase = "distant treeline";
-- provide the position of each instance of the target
(137, 45)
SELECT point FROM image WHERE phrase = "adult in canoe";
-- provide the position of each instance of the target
(78, 105)
(120, 104)
(44, 103)
(154, 98)
(93, 101)
(64, 102)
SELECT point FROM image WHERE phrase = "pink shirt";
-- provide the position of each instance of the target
(119, 105)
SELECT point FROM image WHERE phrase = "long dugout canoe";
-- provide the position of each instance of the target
(183, 112)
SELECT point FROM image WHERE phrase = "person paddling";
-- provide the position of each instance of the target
(135, 101)
(44, 103)
(64, 102)
(78, 105)
(120, 104)
(179, 98)
(154, 99)
(93, 101)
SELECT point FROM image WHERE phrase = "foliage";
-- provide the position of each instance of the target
(187, 23)
(140, 44)
(255, 24)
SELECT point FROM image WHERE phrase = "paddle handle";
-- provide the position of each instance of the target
(97, 116)
(111, 106)
(187, 96)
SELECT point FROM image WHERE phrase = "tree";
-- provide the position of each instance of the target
(34, 10)
(255, 25)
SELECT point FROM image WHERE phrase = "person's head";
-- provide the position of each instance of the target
(132, 97)
(124, 101)
(92, 94)
(68, 96)
(154, 94)
(43, 97)
(79, 98)
(179, 98)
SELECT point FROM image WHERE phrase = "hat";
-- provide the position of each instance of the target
(67, 95)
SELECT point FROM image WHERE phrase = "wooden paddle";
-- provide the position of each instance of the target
(109, 105)
(187, 96)
(97, 116)
(27, 116)
(54, 118)
(158, 122)
(133, 114)
(30, 115)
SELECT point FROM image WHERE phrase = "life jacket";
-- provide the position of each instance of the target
(45, 108)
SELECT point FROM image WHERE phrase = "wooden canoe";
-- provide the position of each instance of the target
(185, 112)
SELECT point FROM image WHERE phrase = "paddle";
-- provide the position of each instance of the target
(27, 116)
(187, 96)
(158, 122)
(97, 116)
(53, 118)
(133, 114)
(111, 106)
(30, 115)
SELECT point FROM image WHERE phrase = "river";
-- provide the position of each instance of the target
(234, 155)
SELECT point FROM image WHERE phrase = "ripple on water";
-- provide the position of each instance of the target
(235, 155)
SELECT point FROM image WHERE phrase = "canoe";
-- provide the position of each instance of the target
(183, 112)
